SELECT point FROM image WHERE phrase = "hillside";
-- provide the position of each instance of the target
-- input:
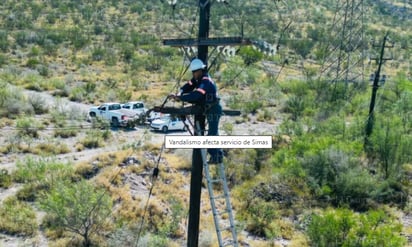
(305, 81)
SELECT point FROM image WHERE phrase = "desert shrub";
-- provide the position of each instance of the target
(171, 225)
(50, 148)
(259, 216)
(336, 176)
(302, 46)
(241, 165)
(32, 63)
(41, 170)
(124, 95)
(12, 101)
(110, 58)
(77, 94)
(79, 208)
(387, 142)
(291, 128)
(391, 191)
(354, 188)
(16, 108)
(31, 191)
(95, 138)
(17, 218)
(4, 43)
(5, 179)
(152, 240)
(250, 55)
(65, 130)
(127, 52)
(78, 38)
(342, 227)
(252, 105)
(28, 127)
(266, 114)
(263, 201)
(87, 170)
(98, 53)
(39, 104)
(3, 59)
(295, 105)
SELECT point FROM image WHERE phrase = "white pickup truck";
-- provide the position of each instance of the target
(115, 114)
(137, 106)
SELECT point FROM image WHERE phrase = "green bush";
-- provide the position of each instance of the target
(250, 55)
(77, 94)
(171, 224)
(28, 127)
(3, 59)
(387, 146)
(64, 130)
(39, 104)
(17, 218)
(259, 217)
(41, 170)
(338, 177)
(98, 53)
(295, 106)
(13, 102)
(79, 208)
(95, 138)
(31, 191)
(5, 179)
(342, 227)
(4, 43)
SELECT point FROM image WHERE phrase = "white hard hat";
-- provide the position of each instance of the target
(197, 64)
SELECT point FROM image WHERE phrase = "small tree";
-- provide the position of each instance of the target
(78, 208)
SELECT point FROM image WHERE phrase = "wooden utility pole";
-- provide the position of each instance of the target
(375, 87)
(197, 161)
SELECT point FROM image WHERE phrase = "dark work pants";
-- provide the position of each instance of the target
(213, 117)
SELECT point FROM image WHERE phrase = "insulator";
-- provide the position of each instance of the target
(383, 79)
(232, 52)
(372, 77)
(272, 52)
(172, 2)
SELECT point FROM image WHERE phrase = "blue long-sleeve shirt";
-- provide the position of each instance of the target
(202, 93)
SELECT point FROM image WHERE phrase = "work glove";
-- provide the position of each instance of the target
(174, 97)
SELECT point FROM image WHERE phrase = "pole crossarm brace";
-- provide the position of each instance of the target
(207, 42)
(190, 111)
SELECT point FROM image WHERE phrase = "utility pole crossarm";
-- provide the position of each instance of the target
(207, 42)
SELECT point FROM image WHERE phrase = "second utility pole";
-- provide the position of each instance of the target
(375, 86)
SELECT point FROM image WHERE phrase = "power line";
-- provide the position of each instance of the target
(155, 175)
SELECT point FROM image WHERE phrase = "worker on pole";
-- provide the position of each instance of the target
(201, 91)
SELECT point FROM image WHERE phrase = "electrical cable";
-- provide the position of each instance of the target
(154, 177)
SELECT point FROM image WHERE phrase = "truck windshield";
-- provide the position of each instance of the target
(115, 107)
